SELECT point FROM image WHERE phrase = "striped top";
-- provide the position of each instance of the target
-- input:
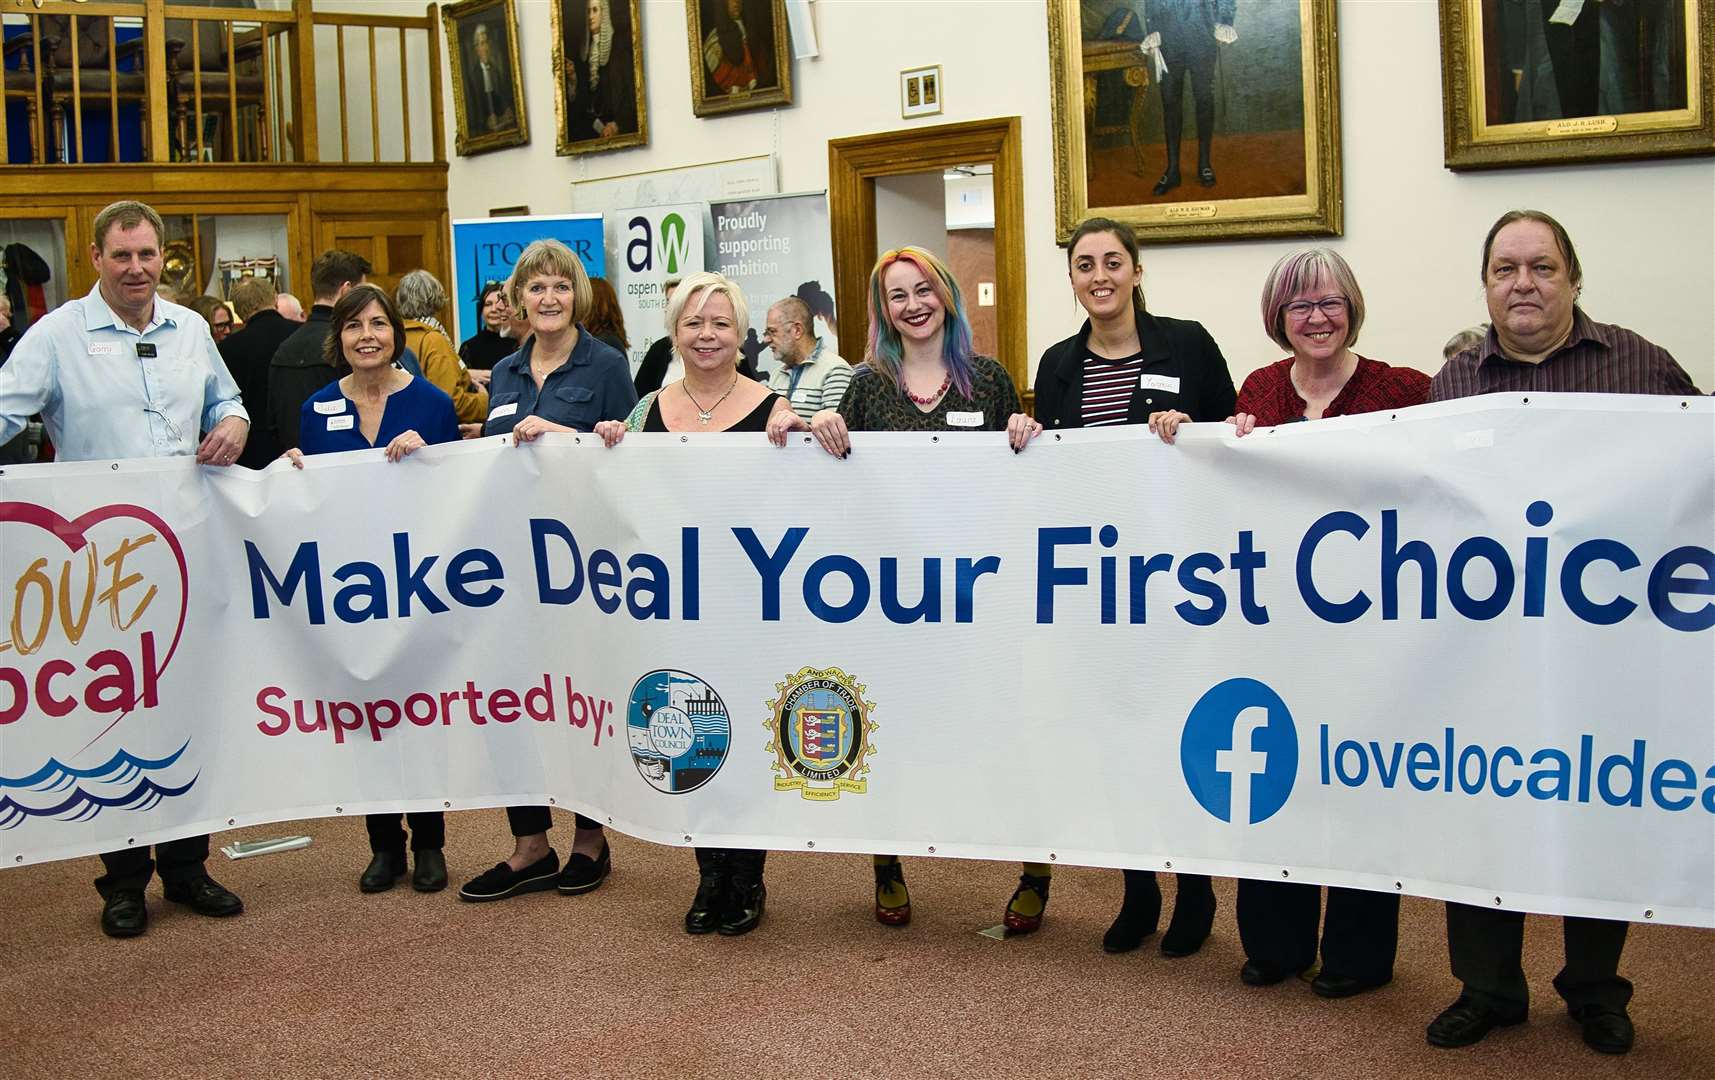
(1107, 388)
(1598, 358)
(820, 382)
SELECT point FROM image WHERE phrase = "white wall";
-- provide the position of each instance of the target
(911, 208)
(1645, 231)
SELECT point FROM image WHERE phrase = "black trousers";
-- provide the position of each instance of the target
(530, 820)
(1143, 893)
(1195, 59)
(739, 862)
(179, 861)
(1487, 945)
(1278, 921)
(428, 831)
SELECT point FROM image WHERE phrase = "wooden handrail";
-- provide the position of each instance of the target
(339, 18)
(227, 14)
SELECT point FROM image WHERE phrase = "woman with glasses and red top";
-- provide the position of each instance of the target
(1312, 305)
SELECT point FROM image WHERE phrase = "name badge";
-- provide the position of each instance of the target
(145, 350)
(964, 419)
(341, 423)
(104, 348)
(503, 410)
(1167, 384)
(330, 408)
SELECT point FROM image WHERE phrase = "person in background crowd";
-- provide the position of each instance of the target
(378, 404)
(97, 370)
(301, 365)
(420, 297)
(489, 345)
(214, 312)
(289, 307)
(706, 319)
(9, 334)
(562, 379)
(1464, 339)
(248, 352)
(1128, 366)
(605, 320)
(661, 365)
(1540, 341)
(811, 376)
(1311, 304)
(920, 373)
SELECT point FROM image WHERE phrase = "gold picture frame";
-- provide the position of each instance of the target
(1279, 172)
(727, 45)
(1615, 81)
(490, 116)
(609, 110)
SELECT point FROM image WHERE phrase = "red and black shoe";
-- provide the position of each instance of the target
(1014, 921)
(888, 874)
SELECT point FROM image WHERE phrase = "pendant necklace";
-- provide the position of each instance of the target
(705, 415)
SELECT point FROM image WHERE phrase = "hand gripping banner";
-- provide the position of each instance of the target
(1460, 651)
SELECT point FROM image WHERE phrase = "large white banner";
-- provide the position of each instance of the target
(1460, 651)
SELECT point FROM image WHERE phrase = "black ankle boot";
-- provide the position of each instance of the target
(1193, 916)
(383, 870)
(712, 887)
(1140, 913)
(745, 894)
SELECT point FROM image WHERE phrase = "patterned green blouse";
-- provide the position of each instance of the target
(872, 404)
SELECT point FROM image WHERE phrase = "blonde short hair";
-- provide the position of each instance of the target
(550, 257)
(698, 288)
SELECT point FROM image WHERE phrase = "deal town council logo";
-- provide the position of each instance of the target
(820, 730)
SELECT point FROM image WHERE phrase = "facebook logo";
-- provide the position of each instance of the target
(1239, 752)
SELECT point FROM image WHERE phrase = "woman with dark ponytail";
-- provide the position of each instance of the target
(1127, 366)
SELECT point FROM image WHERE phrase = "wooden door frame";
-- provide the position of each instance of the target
(854, 163)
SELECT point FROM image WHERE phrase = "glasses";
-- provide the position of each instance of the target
(1329, 306)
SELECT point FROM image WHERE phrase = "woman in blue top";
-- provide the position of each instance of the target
(563, 379)
(380, 404)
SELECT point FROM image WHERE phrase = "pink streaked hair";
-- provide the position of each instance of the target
(885, 352)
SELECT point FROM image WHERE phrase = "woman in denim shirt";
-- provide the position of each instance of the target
(563, 379)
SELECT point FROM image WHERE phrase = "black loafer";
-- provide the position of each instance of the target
(583, 874)
(503, 881)
(205, 897)
(124, 914)
(1169, 180)
(1605, 1030)
(385, 868)
(1329, 985)
(743, 908)
(1254, 974)
(431, 871)
(1465, 1022)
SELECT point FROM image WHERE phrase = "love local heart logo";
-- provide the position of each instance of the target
(94, 610)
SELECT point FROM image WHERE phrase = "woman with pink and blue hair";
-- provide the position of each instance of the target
(921, 373)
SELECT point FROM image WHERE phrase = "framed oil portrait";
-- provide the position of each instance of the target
(740, 55)
(598, 76)
(1556, 82)
(1196, 119)
(488, 86)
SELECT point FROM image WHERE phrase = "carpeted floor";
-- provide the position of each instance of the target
(317, 980)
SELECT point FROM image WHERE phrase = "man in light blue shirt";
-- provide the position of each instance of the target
(121, 373)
